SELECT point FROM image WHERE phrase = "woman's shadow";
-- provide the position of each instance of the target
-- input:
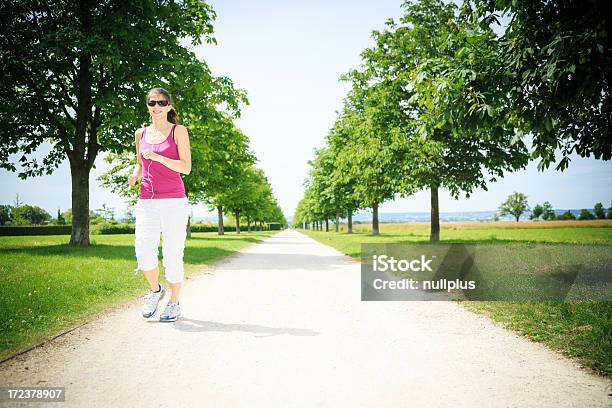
(192, 325)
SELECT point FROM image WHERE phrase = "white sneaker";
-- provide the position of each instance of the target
(171, 313)
(151, 301)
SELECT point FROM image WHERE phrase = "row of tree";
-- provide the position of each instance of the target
(516, 205)
(444, 101)
(23, 215)
(27, 214)
(546, 213)
(95, 61)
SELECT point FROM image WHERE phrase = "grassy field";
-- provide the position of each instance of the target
(47, 286)
(578, 329)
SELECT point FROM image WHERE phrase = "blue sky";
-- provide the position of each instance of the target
(288, 57)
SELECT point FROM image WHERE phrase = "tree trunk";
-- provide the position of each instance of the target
(220, 220)
(337, 219)
(435, 214)
(248, 223)
(80, 203)
(517, 218)
(350, 221)
(326, 225)
(375, 230)
(85, 146)
(237, 222)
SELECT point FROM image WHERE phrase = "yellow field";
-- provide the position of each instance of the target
(411, 226)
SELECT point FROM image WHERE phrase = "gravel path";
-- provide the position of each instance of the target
(281, 324)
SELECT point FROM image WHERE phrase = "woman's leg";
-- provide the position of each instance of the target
(176, 290)
(146, 242)
(174, 232)
(153, 278)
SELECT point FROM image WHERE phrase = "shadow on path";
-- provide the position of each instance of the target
(192, 325)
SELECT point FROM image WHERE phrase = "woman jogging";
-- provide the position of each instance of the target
(163, 152)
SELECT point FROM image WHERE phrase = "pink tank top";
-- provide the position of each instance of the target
(158, 181)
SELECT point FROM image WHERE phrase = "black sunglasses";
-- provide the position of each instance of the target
(162, 102)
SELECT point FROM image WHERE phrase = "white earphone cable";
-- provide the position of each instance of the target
(150, 179)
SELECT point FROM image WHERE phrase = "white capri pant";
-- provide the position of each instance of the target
(167, 216)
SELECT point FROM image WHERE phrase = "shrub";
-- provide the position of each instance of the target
(108, 228)
(566, 216)
(36, 230)
(213, 228)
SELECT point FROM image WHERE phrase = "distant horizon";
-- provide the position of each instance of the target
(474, 211)
(365, 215)
(385, 216)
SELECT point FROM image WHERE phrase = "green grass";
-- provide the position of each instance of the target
(582, 330)
(398, 233)
(48, 286)
(578, 329)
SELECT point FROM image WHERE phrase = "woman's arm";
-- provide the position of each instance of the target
(137, 173)
(183, 164)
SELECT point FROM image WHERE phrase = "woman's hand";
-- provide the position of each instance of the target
(151, 155)
(132, 179)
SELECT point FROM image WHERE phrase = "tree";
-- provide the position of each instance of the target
(5, 214)
(60, 218)
(129, 217)
(368, 162)
(249, 194)
(108, 213)
(430, 77)
(547, 211)
(343, 186)
(17, 202)
(95, 61)
(29, 214)
(586, 215)
(68, 215)
(326, 186)
(599, 211)
(96, 218)
(515, 205)
(556, 57)
(537, 211)
(224, 160)
(609, 215)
